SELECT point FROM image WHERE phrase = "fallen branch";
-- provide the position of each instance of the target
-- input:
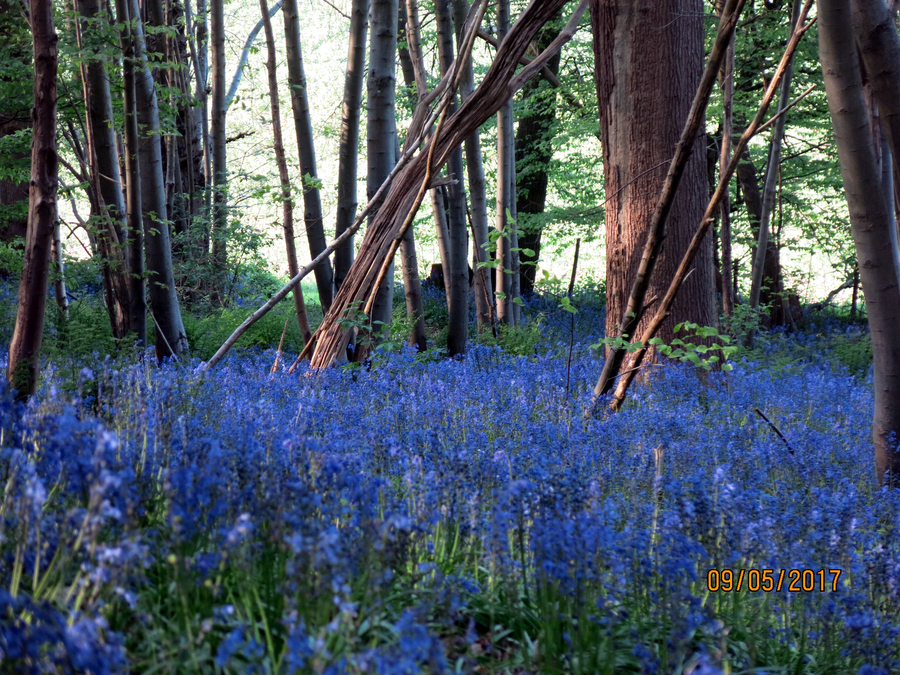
(775, 429)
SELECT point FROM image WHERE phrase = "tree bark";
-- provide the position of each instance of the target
(458, 272)
(312, 201)
(135, 233)
(727, 85)
(477, 191)
(645, 88)
(869, 224)
(506, 169)
(25, 348)
(348, 154)
(219, 215)
(381, 141)
(170, 336)
(284, 176)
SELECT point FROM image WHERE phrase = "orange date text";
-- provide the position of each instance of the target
(753, 580)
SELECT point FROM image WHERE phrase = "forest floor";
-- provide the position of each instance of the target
(428, 515)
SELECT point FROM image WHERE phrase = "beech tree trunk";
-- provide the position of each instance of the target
(25, 348)
(477, 192)
(219, 215)
(284, 176)
(170, 336)
(869, 224)
(458, 272)
(348, 154)
(381, 130)
(135, 233)
(312, 201)
(506, 169)
(645, 88)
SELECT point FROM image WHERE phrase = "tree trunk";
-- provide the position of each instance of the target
(458, 272)
(286, 199)
(219, 215)
(135, 233)
(727, 85)
(103, 157)
(381, 133)
(348, 154)
(771, 184)
(170, 336)
(25, 348)
(645, 89)
(506, 161)
(868, 222)
(477, 192)
(315, 228)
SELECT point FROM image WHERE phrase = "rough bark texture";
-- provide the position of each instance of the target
(477, 191)
(284, 176)
(170, 336)
(381, 134)
(312, 202)
(219, 216)
(506, 166)
(458, 230)
(348, 154)
(649, 56)
(25, 348)
(726, 83)
(869, 223)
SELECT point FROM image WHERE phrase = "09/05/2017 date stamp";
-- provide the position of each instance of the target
(792, 580)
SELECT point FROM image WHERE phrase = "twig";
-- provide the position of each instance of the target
(786, 108)
(775, 429)
(572, 328)
(280, 345)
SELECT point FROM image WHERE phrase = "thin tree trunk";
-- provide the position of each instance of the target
(59, 278)
(170, 336)
(312, 201)
(245, 55)
(138, 309)
(458, 272)
(25, 348)
(505, 198)
(381, 126)
(348, 154)
(771, 184)
(286, 199)
(477, 191)
(869, 223)
(727, 85)
(219, 215)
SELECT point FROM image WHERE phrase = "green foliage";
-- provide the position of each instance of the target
(854, 352)
(684, 350)
(524, 339)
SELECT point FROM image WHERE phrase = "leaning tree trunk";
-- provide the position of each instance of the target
(381, 139)
(104, 162)
(219, 215)
(771, 184)
(312, 201)
(286, 199)
(506, 168)
(868, 222)
(138, 309)
(170, 336)
(348, 154)
(477, 192)
(458, 272)
(642, 111)
(25, 348)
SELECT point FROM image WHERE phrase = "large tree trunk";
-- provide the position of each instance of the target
(286, 199)
(315, 228)
(771, 185)
(219, 215)
(348, 154)
(458, 272)
(104, 162)
(381, 124)
(506, 198)
(477, 192)
(135, 232)
(645, 88)
(869, 223)
(25, 348)
(170, 336)
(534, 150)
